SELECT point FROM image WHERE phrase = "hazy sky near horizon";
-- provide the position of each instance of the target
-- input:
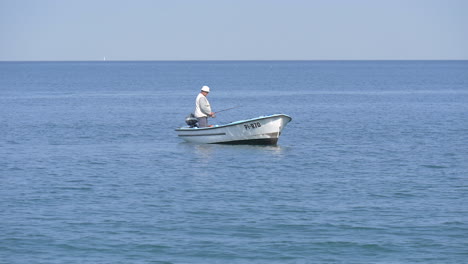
(233, 30)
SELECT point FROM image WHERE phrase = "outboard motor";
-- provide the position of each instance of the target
(191, 120)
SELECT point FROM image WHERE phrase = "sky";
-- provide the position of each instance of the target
(61, 30)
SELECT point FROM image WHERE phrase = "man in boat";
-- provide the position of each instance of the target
(203, 108)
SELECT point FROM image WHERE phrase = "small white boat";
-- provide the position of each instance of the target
(264, 130)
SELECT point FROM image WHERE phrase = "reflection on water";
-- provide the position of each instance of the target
(206, 153)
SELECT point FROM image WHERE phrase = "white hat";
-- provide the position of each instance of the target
(205, 89)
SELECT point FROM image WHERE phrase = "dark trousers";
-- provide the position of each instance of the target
(202, 121)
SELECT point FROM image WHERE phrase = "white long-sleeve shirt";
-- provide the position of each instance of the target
(202, 106)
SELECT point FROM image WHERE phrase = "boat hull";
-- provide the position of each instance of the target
(264, 130)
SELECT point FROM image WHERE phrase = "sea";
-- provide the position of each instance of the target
(373, 167)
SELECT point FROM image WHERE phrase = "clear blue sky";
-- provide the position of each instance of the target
(233, 30)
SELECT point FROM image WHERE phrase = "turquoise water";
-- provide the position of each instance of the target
(372, 169)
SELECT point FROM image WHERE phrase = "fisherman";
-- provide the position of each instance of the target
(203, 108)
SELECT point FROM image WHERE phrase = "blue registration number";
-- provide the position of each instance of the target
(252, 125)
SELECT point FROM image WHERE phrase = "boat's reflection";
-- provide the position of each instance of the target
(208, 152)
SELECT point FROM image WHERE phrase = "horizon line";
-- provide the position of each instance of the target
(241, 60)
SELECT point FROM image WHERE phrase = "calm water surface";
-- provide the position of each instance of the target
(372, 169)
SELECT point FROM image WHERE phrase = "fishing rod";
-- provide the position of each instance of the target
(226, 109)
